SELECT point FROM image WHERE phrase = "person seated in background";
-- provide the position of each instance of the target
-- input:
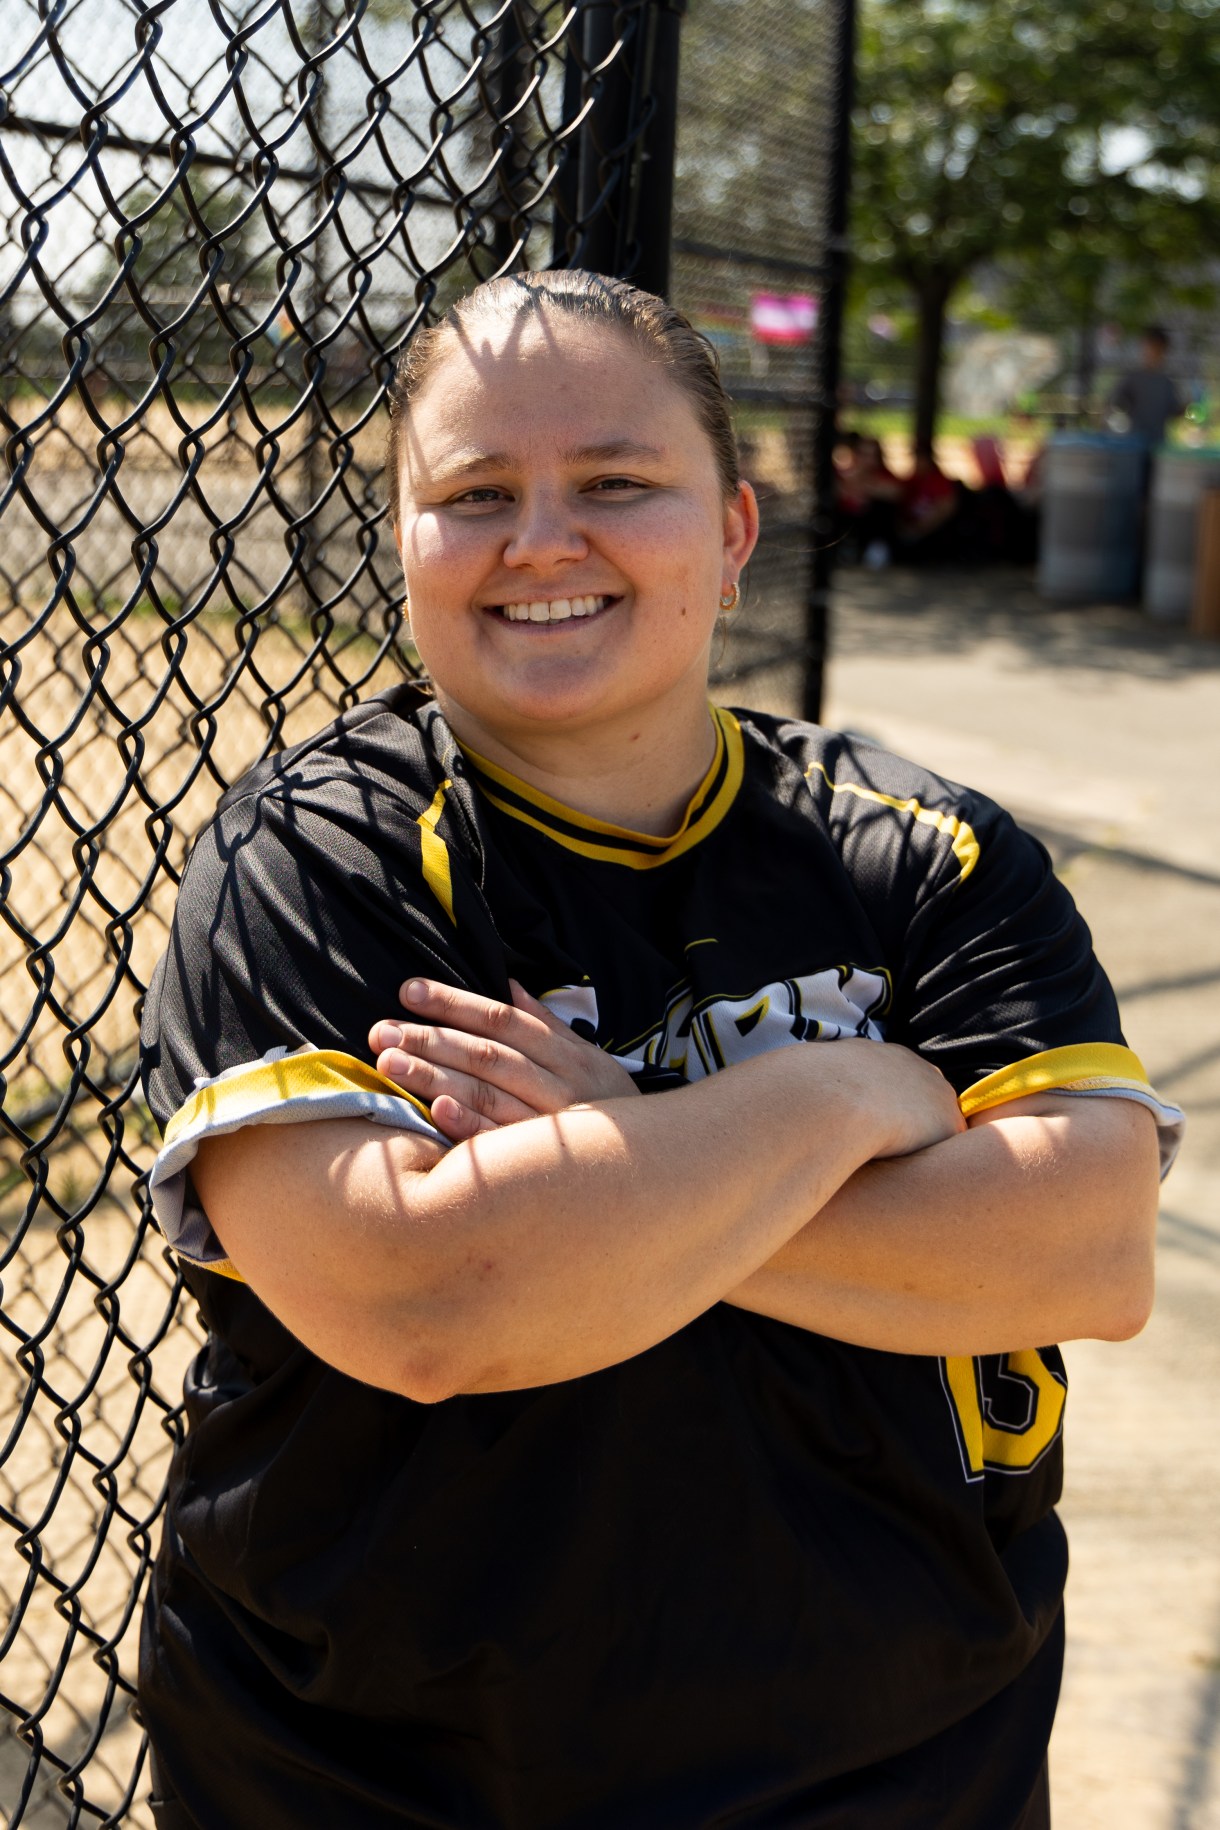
(868, 495)
(928, 515)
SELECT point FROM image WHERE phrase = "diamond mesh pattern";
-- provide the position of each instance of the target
(219, 223)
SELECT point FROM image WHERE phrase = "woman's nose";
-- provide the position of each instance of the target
(547, 530)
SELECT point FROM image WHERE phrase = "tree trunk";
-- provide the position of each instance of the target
(932, 298)
(1087, 364)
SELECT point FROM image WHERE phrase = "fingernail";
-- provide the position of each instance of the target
(390, 1036)
(416, 991)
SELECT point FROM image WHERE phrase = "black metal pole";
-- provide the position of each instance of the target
(654, 189)
(826, 399)
(614, 198)
(566, 191)
(612, 32)
(507, 89)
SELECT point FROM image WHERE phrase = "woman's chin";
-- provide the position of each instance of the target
(544, 693)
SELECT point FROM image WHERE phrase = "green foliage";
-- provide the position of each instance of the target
(756, 93)
(1066, 141)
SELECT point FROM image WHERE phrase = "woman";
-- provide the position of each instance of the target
(563, 1457)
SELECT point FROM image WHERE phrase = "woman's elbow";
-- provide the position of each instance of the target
(407, 1356)
(1129, 1310)
(1124, 1289)
(1123, 1272)
(432, 1350)
(429, 1379)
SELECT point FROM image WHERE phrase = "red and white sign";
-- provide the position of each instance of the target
(783, 317)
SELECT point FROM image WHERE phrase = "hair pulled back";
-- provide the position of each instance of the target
(659, 330)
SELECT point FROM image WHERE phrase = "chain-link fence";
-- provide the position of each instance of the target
(220, 225)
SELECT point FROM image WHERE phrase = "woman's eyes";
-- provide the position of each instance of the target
(479, 496)
(486, 495)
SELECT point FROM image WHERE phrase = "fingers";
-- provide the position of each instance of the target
(532, 1032)
(475, 1057)
(457, 1121)
(521, 1050)
(535, 1008)
(413, 1068)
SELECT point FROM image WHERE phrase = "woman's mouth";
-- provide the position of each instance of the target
(552, 609)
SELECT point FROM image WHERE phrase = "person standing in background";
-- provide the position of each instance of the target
(1147, 397)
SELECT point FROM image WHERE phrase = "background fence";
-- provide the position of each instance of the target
(218, 226)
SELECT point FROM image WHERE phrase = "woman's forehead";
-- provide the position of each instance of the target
(567, 384)
(489, 341)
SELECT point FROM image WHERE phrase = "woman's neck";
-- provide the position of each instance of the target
(640, 773)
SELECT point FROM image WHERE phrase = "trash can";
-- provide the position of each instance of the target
(1181, 476)
(1092, 503)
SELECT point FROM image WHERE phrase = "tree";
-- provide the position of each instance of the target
(988, 133)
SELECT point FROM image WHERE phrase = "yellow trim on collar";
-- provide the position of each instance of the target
(610, 844)
(964, 844)
(1084, 1066)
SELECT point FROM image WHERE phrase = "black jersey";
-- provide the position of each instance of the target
(752, 1576)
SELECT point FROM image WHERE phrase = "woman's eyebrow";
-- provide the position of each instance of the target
(610, 451)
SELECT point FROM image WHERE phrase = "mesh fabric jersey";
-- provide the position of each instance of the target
(751, 1576)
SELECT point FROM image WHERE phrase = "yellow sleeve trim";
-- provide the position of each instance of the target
(238, 1095)
(310, 1085)
(435, 854)
(1086, 1070)
(964, 845)
(1084, 1065)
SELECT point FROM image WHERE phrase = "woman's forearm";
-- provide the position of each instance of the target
(598, 1231)
(549, 1248)
(1034, 1227)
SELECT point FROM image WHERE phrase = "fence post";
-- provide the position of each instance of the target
(616, 190)
(830, 334)
(565, 206)
(654, 192)
(507, 88)
(606, 153)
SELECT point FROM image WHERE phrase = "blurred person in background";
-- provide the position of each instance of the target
(930, 506)
(868, 495)
(1147, 398)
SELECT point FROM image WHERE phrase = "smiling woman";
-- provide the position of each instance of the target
(541, 459)
(626, 1399)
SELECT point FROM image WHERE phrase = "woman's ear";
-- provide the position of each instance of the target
(740, 528)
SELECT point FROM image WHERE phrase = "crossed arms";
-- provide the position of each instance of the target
(574, 1223)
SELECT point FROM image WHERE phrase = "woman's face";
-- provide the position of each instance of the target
(563, 529)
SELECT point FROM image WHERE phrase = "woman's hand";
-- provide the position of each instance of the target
(480, 1064)
(914, 1103)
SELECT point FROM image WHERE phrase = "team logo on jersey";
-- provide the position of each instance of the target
(695, 1038)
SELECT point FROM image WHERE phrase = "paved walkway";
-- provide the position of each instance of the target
(1102, 733)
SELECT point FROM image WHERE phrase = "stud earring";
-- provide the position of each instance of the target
(730, 599)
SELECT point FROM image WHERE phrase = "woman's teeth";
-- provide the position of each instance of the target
(554, 610)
